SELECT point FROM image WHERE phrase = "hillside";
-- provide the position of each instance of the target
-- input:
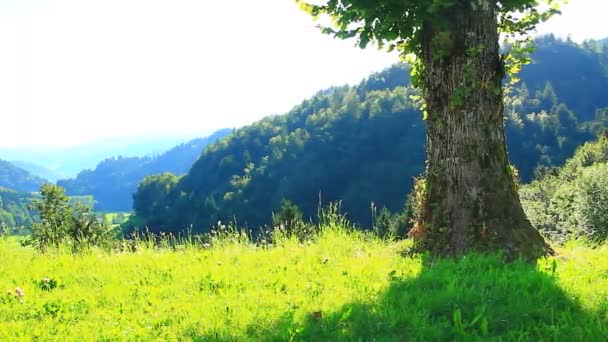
(13, 177)
(14, 210)
(364, 144)
(37, 170)
(578, 75)
(114, 180)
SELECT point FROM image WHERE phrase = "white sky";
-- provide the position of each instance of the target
(73, 71)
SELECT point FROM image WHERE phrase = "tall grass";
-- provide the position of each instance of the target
(342, 285)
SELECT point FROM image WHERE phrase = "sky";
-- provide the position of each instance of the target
(76, 71)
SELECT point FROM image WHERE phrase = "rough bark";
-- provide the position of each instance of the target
(471, 200)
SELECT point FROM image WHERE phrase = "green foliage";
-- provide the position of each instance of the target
(593, 192)
(387, 225)
(573, 201)
(317, 149)
(399, 24)
(115, 218)
(411, 26)
(64, 223)
(5, 230)
(365, 144)
(577, 74)
(289, 221)
(342, 286)
(151, 194)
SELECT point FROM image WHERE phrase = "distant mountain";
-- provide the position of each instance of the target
(13, 177)
(67, 162)
(38, 170)
(363, 145)
(113, 181)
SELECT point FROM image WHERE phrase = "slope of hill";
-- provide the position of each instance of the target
(14, 210)
(114, 180)
(38, 170)
(360, 145)
(13, 177)
(578, 75)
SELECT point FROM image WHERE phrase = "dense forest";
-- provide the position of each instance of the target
(18, 179)
(577, 73)
(113, 182)
(363, 146)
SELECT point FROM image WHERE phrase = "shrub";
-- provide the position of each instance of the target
(5, 230)
(289, 221)
(570, 205)
(592, 200)
(392, 226)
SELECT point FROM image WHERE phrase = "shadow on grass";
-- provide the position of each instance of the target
(474, 298)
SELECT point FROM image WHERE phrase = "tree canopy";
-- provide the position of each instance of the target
(397, 24)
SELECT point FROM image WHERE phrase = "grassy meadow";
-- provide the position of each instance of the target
(342, 286)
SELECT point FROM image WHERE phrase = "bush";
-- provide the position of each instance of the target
(570, 205)
(5, 230)
(289, 221)
(392, 226)
(572, 202)
(592, 200)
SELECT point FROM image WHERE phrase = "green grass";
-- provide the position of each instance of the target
(344, 286)
(112, 217)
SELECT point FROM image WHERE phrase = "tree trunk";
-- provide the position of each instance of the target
(471, 200)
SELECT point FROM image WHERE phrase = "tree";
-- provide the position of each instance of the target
(470, 197)
(149, 200)
(62, 222)
(55, 217)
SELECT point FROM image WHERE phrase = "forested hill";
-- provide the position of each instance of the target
(14, 210)
(578, 74)
(113, 182)
(16, 178)
(365, 144)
